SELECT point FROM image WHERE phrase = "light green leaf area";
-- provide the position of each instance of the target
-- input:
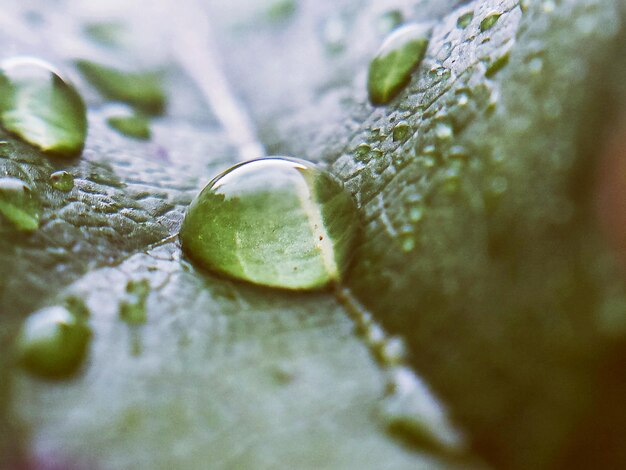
(480, 249)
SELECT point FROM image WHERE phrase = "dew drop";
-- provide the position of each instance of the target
(62, 181)
(408, 244)
(41, 107)
(401, 131)
(19, 205)
(53, 342)
(275, 221)
(497, 65)
(416, 213)
(361, 152)
(443, 131)
(489, 21)
(465, 19)
(463, 99)
(391, 68)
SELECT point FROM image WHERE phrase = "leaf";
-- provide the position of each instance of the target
(501, 297)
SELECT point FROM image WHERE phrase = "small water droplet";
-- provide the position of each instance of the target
(401, 131)
(489, 21)
(416, 213)
(133, 307)
(41, 107)
(275, 221)
(19, 205)
(390, 70)
(443, 130)
(408, 244)
(361, 152)
(439, 73)
(497, 65)
(135, 126)
(53, 342)
(548, 6)
(62, 180)
(465, 19)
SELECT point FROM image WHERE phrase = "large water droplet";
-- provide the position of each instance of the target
(274, 221)
(41, 107)
(19, 205)
(62, 180)
(53, 342)
(391, 69)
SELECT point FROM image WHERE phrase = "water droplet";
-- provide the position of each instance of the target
(133, 307)
(274, 221)
(141, 89)
(439, 73)
(390, 20)
(361, 152)
(462, 99)
(391, 68)
(408, 244)
(53, 342)
(497, 65)
(134, 126)
(465, 19)
(489, 21)
(401, 131)
(416, 213)
(443, 130)
(42, 108)
(19, 205)
(62, 181)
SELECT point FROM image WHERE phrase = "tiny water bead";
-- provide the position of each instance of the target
(62, 181)
(42, 108)
(401, 131)
(19, 205)
(489, 21)
(53, 342)
(391, 68)
(465, 19)
(276, 221)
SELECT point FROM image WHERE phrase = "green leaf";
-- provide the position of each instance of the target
(480, 249)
